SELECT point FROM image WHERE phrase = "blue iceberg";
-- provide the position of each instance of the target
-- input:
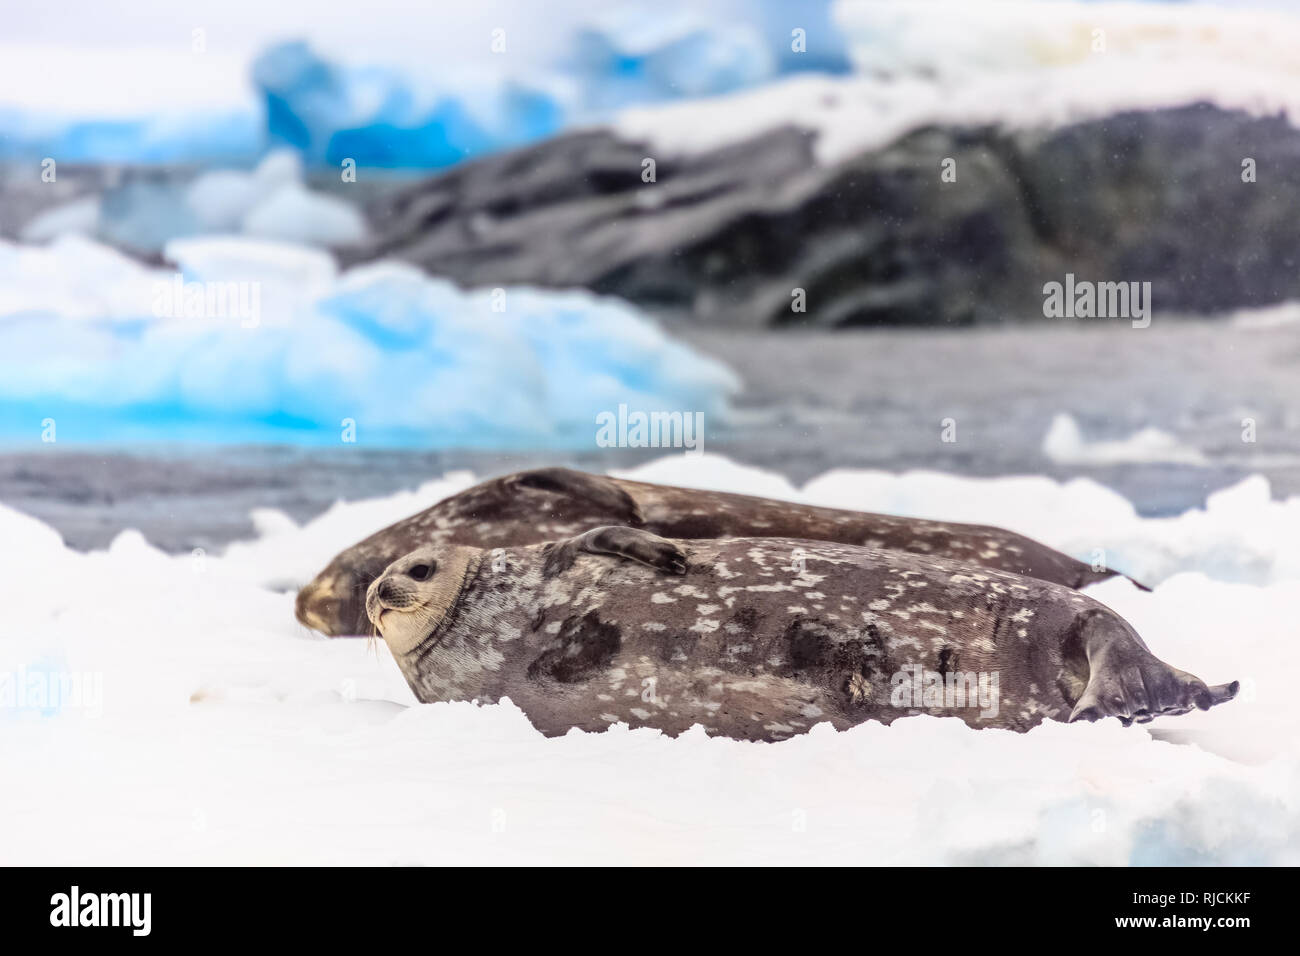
(259, 341)
(375, 117)
(382, 118)
(233, 137)
(641, 52)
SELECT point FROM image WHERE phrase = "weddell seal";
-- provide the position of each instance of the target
(550, 503)
(759, 638)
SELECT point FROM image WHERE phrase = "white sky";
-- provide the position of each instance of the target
(132, 57)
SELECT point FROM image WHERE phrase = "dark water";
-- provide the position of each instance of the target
(811, 402)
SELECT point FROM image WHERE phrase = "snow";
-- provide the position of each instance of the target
(256, 340)
(1011, 63)
(212, 728)
(1241, 535)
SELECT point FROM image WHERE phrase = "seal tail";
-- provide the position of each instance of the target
(1090, 576)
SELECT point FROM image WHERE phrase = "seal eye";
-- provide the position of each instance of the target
(420, 572)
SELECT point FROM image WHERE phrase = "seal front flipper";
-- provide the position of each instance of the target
(1129, 682)
(631, 543)
(596, 491)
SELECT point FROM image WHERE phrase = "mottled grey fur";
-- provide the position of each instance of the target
(552, 503)
(758, 639)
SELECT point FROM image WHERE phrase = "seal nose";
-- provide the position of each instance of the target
(385, 591)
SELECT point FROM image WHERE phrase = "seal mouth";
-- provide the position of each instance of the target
(430, 640)
(422, 611)
(438, 633)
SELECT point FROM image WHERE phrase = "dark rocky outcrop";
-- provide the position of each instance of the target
(724, 237)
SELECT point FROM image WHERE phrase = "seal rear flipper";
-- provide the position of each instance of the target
(630, 543)
(1090, 576)
(598, 491)
(1129, 682)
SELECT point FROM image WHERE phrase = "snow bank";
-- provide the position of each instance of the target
(209, 727)
(253, 340)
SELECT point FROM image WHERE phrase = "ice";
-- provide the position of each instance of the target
(221, 198)
(223, 732)
(642, 52)
(191, 137)
(386, 118)
(624, 58)
(255, 340)
(1266, 317)
(295, 214)
(78, 217)
(268, 201)
(290, 275)
(332, 112)
(1064, 443)
(416, 89)
(73, 278)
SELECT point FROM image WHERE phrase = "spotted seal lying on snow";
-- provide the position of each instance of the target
(760, 638)
(550, 503)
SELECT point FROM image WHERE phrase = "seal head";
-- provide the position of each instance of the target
(407, 603)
